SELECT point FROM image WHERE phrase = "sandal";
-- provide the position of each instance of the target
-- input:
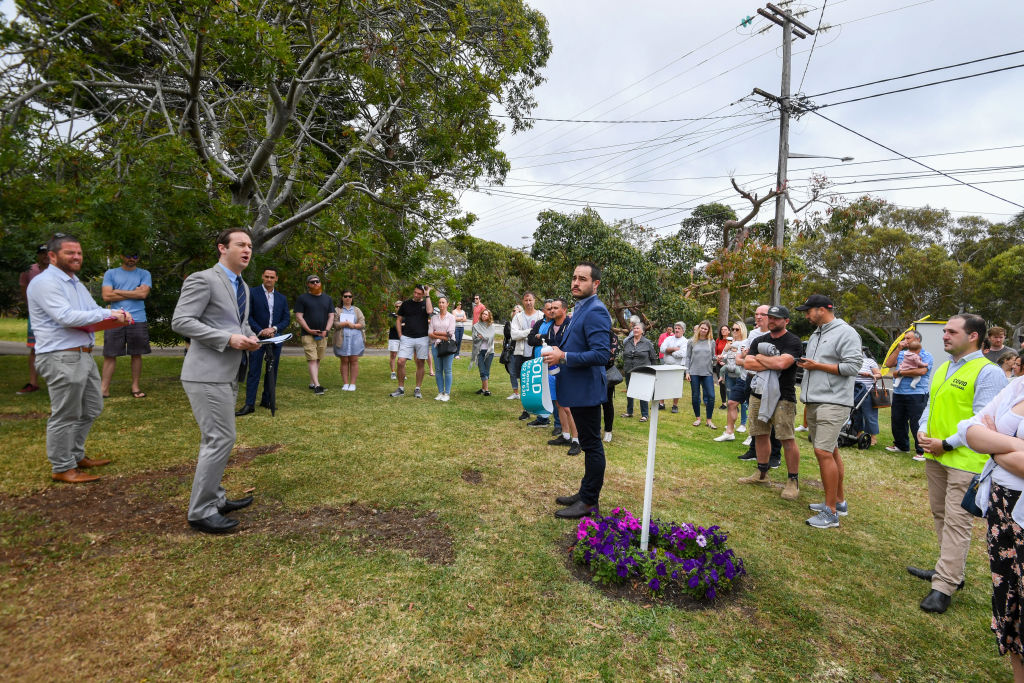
(105, 395)
(643, 419)
(711, 425)
(626, 415)
(696, 423)
(138, 394)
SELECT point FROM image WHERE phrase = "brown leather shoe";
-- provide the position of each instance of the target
(90, 462)
(74, 476)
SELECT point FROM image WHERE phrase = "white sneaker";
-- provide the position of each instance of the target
(748, 440)
(394, 376)
(351, 387)
(446, 397)
(607, 437)
(344, 387)
(741, 428)
(801, 428)
(439, 397)
(725, 437)
(513, 397)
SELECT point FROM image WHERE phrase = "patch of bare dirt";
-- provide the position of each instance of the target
(244, 454)
(114, 507)
(473, 476)
(11, 417)
(637, 592)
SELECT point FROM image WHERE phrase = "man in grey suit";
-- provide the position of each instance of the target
(213, 311)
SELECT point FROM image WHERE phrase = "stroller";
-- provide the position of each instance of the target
(852, 433)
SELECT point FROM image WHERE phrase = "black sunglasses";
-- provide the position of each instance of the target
(346, 296)
(313, 282)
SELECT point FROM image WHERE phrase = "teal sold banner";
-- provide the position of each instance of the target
(534, 390)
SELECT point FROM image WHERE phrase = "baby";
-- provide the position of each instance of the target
(911, 361)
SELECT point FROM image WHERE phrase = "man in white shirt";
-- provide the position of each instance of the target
(59, 304)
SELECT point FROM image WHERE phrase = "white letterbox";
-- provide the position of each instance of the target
(656, 382)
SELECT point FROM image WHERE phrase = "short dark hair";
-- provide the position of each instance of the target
(273, 268)
(595, 270)
(58, 240)
(561, 300)
(224, 237)
(973, 323)
(422, 288)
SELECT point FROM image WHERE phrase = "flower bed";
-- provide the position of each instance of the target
(690, 559)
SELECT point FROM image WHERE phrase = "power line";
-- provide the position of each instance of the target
(920, 163)
(917, 87)
(699, 118)
(916, 73)
(813, 43)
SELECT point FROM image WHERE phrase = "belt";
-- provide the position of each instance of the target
(83, 349)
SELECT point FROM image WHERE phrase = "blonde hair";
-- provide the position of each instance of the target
(743, 330)
(696, 331)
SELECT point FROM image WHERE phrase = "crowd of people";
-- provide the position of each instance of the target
(965, 415)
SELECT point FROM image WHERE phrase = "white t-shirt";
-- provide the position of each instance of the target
(677, 357)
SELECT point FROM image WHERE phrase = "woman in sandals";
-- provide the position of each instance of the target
(349, 339)
(700, 359)
(637, 350)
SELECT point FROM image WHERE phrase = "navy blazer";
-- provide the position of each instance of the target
(586, 340)
(259, 314)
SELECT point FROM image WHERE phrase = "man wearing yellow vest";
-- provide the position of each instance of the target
(961, 387)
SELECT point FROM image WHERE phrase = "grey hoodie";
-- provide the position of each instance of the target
(832, 343)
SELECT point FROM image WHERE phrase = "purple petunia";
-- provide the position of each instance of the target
(660, 569)
(701, 541)
(654, 584)
(694, 581)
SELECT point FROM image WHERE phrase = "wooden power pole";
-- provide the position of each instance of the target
(791, 26)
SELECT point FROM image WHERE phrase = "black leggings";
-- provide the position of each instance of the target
(608, 407)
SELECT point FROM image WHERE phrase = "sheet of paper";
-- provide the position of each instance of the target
(279, 339)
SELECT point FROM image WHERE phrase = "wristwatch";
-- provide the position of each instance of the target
(945, 446)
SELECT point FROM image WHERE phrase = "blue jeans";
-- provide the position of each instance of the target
(459, 331)
(483, 361)
(443, 370)
(865, 418)
(734, 387)
(707, 382)
(629, 402)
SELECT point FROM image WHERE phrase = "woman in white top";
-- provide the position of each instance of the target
(442, 327)
(349, 339)
(735, 382)
(483, 349)
(460, 327)
(675, 348)
(999, 429)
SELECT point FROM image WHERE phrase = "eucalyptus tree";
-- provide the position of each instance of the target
(343, 116)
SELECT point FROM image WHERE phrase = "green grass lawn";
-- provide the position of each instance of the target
(298, 594)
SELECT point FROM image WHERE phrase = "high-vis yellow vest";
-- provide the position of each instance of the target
(950, 401)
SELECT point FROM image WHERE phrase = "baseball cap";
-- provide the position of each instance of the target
(778, 312)
(312, 277)
(816, 301)
(42, 248)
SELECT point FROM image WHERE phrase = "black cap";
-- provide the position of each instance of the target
(42, 248)
(778, 312)
(816, 301)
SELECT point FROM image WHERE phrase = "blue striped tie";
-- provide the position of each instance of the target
(240, 295)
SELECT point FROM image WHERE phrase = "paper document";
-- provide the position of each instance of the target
(279, 339)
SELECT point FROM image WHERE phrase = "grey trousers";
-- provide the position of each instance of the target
(213, 405)
(75, 401)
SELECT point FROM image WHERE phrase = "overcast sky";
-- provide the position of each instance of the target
(658, 60)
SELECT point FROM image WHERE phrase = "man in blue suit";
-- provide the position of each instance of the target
(268, 316)
(581, 387)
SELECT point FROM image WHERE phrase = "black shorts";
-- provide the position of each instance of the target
(130, 340)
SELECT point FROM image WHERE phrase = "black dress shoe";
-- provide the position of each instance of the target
(575, 448)
(245, 410)
(926, 575)
(214, 524)
(237, 504)
(935, 601)
(568, 500)
(576, 510)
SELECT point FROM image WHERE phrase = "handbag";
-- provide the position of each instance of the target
(447, 347)
(969, 503)
(880, 396)
(613, 376)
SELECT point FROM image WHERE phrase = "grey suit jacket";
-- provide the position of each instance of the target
(207, 313)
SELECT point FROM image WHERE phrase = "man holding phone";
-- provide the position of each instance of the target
(412, 324)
